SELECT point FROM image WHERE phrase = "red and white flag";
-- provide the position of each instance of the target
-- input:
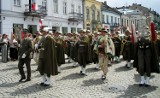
(34, 6)
(133, 31)
(40, 23)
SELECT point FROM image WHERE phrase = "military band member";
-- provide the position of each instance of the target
(24, 55)
(117, 42)
(127, 48)
(145, 59)
(158, 45)
(47, 58)
(82, 51)
(102, 53)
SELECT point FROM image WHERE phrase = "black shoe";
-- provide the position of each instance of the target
(146, 85)
(103, 77)
(140, 85)
(21, 80)
(45, 84)
(27, 80)
(42, 83)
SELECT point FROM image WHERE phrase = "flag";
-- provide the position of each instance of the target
(133, 31)
(153, 32)
(34, 6)
(40, 24)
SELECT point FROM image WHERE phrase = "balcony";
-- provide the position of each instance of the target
(75, 17)
(40, 12)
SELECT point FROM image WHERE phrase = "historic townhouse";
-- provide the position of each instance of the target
(60, 15)
(92, 15)
(111, 18)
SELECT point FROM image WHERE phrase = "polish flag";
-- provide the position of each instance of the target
(133, 31)
(34, 6)
(40, 24)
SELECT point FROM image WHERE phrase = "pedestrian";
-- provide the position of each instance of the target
(24, 55)
(47, 57)
(4, 48)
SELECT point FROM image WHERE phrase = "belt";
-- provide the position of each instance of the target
(144, 47)
(81, 45)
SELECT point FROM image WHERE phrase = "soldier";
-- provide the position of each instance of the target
(158, 45)
(127, 48)
(82, 51)
(47, 58)
(24, 55)
(145, 59)
(117, 43)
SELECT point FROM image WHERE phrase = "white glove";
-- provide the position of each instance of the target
(36, 46)
(23, 56)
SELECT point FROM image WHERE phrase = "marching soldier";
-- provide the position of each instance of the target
(47, 58)
(127, 48)
(82, 51)
(117, 43)
(145, 59)
(158, 45)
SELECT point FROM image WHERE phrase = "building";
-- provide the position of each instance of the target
(110, 17)
(92, 15)
(61, 15)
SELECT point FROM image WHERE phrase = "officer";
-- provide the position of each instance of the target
(25, 57)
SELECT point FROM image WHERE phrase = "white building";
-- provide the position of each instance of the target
(61, 15)
(110, 17)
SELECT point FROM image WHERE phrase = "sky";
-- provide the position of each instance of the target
(153, 4)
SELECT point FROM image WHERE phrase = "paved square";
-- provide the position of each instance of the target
(121, 83)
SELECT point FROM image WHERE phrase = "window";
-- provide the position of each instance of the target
(64, 30)
(79, 9)
(64, 7)
(107, 19)
(115, 19)
(118, 21)
(112, 20)
(73, 30)
(87, 15)
(98, 15)
(72, 8)
(17, 2)
(103, 19)
(55, 5)
(93, 14)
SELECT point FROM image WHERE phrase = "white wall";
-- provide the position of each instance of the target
(109, 15)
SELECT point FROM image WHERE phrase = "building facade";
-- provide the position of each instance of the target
(92, 15)
(61, 15)
(111, 18)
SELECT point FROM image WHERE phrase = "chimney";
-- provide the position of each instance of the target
(105, 2)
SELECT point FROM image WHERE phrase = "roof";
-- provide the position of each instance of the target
(105, 7)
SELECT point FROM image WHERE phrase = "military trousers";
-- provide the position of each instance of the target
(21, 70)
(144, 61)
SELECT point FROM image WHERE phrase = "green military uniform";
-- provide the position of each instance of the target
(47, 57)
(25, 48)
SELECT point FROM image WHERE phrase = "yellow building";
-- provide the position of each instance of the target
(92, 15)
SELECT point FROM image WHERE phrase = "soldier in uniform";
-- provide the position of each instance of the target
(82, 51)
(47, 58)
(158, 45)
(127, 48)
(145, 59)
(24, 55)
(117, 43)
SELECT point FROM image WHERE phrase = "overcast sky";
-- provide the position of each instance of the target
(153, 4)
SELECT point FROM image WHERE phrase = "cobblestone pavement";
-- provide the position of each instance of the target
(70, 84)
